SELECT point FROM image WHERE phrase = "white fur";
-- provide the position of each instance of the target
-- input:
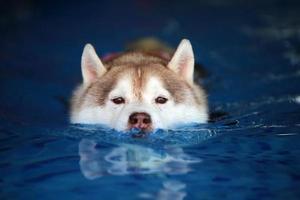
(163, 115)
(116, 115)
(171, 113)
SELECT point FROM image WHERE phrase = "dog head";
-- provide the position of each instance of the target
(139, 90)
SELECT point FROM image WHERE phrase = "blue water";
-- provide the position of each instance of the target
(249, 150)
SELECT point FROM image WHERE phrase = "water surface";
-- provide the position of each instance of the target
(251, 53)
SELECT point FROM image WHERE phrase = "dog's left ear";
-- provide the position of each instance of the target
(183, 61)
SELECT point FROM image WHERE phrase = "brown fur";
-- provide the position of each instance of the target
(150, 65)
(141, 66)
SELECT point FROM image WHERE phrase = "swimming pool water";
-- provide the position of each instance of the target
(249, 150)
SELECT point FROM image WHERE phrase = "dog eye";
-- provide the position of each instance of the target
(161, 100)
(118, 100)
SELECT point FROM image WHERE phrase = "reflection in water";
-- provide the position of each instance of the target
(135, 159)
(173, 190)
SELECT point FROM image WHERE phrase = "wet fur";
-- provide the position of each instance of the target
(138, 68)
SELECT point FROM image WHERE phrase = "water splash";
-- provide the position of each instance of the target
(188, 135)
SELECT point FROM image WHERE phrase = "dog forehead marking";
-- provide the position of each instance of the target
(139, 72)
(138, 79)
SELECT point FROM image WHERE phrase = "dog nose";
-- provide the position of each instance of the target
(139, 120)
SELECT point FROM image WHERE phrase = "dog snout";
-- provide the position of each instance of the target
(140, 120)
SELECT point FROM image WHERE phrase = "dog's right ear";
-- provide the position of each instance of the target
(91, 65)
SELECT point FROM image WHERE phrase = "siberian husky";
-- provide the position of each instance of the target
(142, 89)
